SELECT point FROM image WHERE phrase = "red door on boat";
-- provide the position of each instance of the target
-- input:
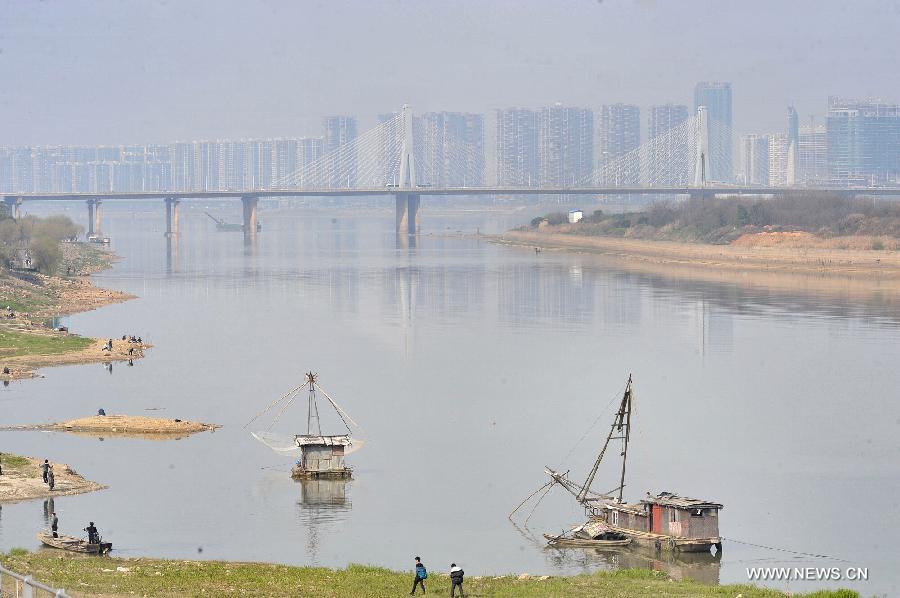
(656, 519)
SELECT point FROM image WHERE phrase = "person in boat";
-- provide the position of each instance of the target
(456, 580)
(45, 469)
(54, 524)
(421, 576)
(93, 534)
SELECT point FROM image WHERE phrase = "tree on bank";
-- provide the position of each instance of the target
(40, 237)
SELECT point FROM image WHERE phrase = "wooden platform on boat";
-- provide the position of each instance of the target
(73, 544)
(563, 542)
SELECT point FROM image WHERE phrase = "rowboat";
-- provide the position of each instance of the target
(73, 544)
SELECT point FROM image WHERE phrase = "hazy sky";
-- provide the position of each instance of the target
(103, 71)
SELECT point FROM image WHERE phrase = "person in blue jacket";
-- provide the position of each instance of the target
(421, 576)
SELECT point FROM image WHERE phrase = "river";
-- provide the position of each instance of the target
(469, 366)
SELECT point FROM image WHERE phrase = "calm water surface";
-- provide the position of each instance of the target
(470, 367)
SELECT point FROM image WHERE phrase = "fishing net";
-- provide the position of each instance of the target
(284, 444)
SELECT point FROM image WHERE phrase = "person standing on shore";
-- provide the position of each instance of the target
(45, 468)
(54, 524)
(456, 580)
(421, 576)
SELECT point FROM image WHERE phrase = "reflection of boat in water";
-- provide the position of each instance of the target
(663, 521)
(319, 456)
(73, 544)
(323, 502)
(701, 567)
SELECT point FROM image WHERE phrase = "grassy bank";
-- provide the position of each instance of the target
(101, 576)
(27, 338)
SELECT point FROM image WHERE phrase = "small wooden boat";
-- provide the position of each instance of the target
(73, 544)
(567, 542)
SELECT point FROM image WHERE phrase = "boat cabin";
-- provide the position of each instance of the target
(668, 514)
(321, 457)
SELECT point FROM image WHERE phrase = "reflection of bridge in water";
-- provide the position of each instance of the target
(389, 160)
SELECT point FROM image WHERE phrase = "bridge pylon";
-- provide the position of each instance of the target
(701, 156)
(407, 198)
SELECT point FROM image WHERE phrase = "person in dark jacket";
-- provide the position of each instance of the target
(456, 580)
(45, 467)
(421, 575)
(54, 524)
(93, 534)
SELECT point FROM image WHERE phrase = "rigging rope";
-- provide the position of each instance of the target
(809, 554)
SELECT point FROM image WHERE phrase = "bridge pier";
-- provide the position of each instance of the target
(172, 216)
(14, 206)
(250, 203)
(407, 213)
(90, 218)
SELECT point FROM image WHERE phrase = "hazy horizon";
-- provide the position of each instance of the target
(110, 72)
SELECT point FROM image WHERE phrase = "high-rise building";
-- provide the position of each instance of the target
(716, 96)
(781, 168)
(668, 155)
(565, 145)
(516, 152)
(793, 133)
(755, 160)
(863, 142)
(665, 117)
(812, 155)
(452, 149)
(340, 131)
(619, 132)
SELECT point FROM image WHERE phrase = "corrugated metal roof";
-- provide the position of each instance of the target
(673, 500)
(305, 440)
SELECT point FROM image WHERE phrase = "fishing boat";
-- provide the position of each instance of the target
(223, 226)
(73, 544)
(318, 456)
(663, 521)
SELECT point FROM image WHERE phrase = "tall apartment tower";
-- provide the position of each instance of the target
(755, 159)
(812, 154)
(339, 131)
(516, 152)
(863, 142)
(716, 96)
(565, 145)
(662, 119)
(452, 149)
(618, 132)
(781, 170)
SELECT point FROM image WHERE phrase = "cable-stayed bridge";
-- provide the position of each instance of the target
(400, 158)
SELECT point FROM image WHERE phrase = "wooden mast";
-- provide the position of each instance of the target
(313, 408)
(621, 425)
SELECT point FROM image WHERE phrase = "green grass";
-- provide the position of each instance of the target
(97, 576)
(10, 461)
(14, 343)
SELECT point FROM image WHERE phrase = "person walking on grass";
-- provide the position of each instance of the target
(456, 580)
(421, 576)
